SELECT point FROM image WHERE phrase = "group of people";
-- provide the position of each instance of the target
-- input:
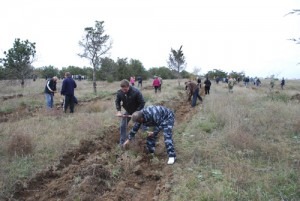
(132, 101)
(139, 79)
(67, 90)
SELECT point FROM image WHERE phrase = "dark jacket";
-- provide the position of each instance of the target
(68, 87)
(50, 84)
(207, 83)
(132, 101)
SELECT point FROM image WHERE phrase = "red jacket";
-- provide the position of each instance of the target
(156, 82)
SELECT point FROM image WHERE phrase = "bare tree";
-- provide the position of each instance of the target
(95, 44)
(177, 62)
(196, 70)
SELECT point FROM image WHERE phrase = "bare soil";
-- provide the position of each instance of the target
(99, 169)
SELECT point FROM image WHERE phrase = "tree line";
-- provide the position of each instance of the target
(17, 63)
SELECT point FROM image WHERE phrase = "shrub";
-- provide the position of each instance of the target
(20, 145)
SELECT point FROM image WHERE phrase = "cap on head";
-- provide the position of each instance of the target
(137, 116)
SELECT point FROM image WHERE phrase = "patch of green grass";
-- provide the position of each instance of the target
(207, 126)
(19, 168)
(286, 185)
(6, 109)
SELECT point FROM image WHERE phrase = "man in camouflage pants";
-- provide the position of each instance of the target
(161, 118)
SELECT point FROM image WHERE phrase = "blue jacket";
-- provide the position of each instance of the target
(154, 116)
(132, 101)
(68, 87)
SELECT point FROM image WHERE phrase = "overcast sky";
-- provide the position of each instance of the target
(229, 35)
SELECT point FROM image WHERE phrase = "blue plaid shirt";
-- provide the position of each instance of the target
(154, 116)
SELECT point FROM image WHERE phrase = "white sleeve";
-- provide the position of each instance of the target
(49, 86)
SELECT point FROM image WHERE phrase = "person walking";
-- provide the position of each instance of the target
(67, 90)
(193, 90)
(50, 89)
(230, 84)
(156, 83)
(132, 100)
(282, 83)
(161, 118)
(160, 83)
(140, 81)
(199, 82)
(132, 80)
(207, 85)
(272, 82)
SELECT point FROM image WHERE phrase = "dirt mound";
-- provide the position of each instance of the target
(296, 97)
(100, 170)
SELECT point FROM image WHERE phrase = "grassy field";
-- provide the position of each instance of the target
(243, 145)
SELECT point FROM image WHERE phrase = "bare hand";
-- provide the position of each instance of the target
(119, 114)
(149, 133)
(126, 143)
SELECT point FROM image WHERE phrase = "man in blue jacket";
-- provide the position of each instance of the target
(161, 118)
(67, 90)
(132, 100)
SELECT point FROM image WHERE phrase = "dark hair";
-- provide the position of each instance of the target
(124, 83)
(136, 116)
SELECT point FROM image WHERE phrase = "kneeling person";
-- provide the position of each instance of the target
(161, 118)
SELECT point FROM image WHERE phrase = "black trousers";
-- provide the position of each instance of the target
(69, 102)
(206, 90)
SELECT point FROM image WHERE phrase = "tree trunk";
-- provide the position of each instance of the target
(178, 77)
(94, 81)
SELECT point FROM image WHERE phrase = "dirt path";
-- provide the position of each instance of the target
(99, 170)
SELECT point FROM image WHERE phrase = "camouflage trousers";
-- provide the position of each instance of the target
(167, 131)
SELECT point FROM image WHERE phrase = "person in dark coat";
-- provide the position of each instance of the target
(132, 100)
(207, 85)
(282, 83)
(199, 82)
(67, 90)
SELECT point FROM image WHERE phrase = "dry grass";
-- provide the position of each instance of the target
(239, 146)
(252, 151)
(20, 145)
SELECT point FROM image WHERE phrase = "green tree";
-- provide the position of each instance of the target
(49, 71)
(163, 72)
(74, 70)
(108, 70)
(122, 68)
(136, 68)
(2, 73)
(237, 75)
(185, 74)
(177, 62)
(95, 45)
(18, 60)
(216, 73)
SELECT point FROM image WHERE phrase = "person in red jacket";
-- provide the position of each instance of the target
(156, 83)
